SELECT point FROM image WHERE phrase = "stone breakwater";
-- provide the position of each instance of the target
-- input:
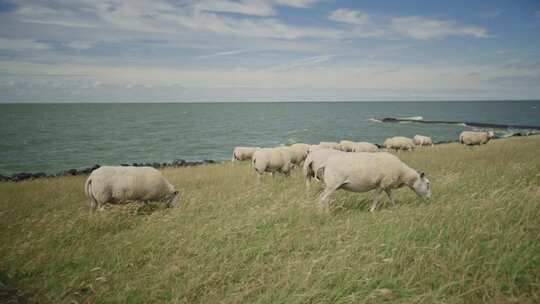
(18, 177)
(464, 123)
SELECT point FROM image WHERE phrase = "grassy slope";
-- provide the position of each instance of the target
(232, 241)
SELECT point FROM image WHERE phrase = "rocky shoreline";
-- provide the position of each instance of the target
(18, 177)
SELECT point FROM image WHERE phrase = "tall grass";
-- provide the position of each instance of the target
(233, 241)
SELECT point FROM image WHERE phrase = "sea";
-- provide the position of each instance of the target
(54, 137)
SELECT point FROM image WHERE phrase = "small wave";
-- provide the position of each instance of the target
(412, 118)
(374, 120)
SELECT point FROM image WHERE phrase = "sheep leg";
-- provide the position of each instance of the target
(391, 197)
(323, 201)
(93, 205)
(375, 200)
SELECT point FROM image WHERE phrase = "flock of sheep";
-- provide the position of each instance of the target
(352, 166)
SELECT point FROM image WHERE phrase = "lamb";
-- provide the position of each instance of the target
(470, 138)
(115, 184)
(420, 140)
(243, 153)
(399, 143)
(362, 172)
(272, 160)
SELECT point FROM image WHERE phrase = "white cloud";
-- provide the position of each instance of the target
(416, 27)
(226, 53)
(22, 44)
(425, 28)
(349, 16)
(310, 61)
(253, 7)
(249, 7)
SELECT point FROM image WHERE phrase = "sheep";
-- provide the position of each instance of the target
(243, 153)
(315, 161)
(313, 148)
(331, 145)
(364, 147)
(272, 160)
(470, 138)
(420, 140)
(114, 184)
(399, 143)
(362, 172)
(299, 153)
(346, 145)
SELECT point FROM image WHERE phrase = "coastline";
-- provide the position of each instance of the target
(23, 176)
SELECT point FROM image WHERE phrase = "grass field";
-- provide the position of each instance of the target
(233, 241)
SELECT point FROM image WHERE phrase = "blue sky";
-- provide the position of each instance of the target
(268, 50)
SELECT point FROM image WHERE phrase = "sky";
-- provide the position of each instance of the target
(268, 50)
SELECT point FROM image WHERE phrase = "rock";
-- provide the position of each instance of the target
(209, 161)
(156, 165)
(70, 172)
(125, 165)
(21, 176)
(39, 175)
(178, 162)
(4, 178)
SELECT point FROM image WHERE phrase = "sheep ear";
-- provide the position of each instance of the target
(422, 174)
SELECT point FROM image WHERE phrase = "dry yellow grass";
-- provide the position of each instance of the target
(231, 241)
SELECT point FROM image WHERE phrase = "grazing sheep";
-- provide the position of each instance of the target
(362, 172)
(475, 138)
(364, 147)
(331, 145)
(315, 161)
(114, 184)
(272, 160)
(399, 143)
(243, 153)
(420, 140)
(299, 153)
(313, 148)
(346, 145)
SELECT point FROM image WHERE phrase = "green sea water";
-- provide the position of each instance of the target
(55, 137)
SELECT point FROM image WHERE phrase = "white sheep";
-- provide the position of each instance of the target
(330, 144)
(364, 147)
(272, 160)
(346, 145)
(315, 161)
(362, 172)
(421, 140)
(475, 138)
(399, 143)
(114, 184)
(243, 153)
